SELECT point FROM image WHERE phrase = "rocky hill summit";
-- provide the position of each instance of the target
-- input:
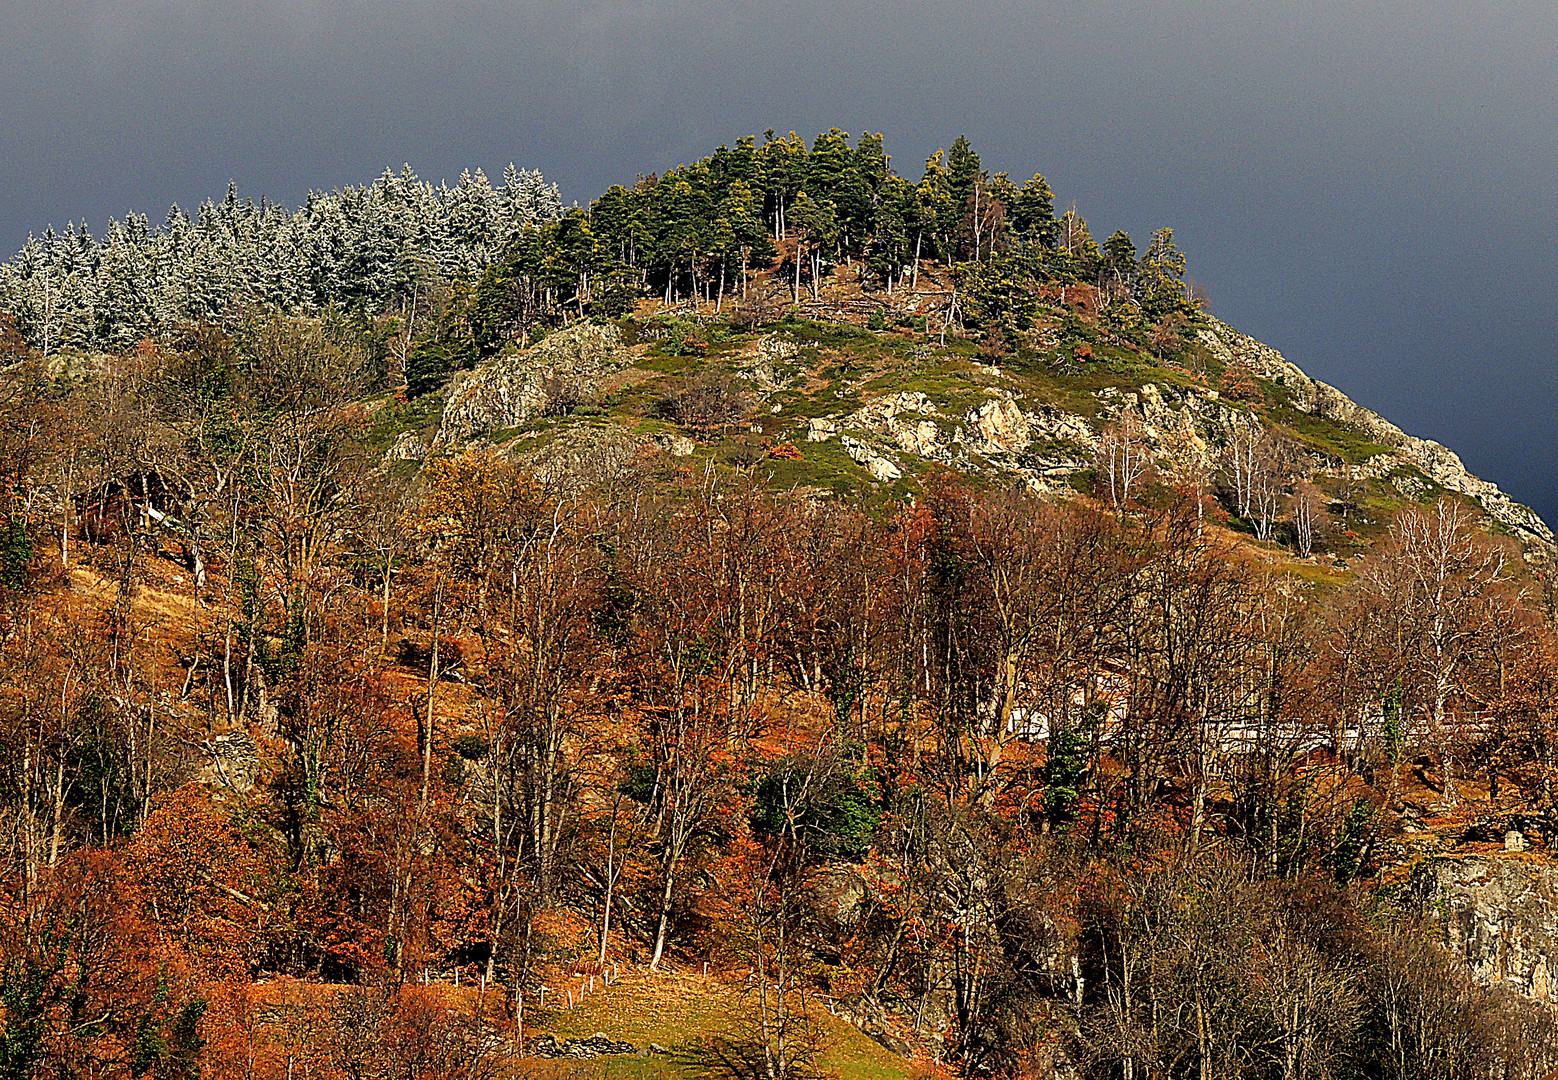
(832, 404)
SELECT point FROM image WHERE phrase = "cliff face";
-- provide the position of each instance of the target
(1499, 913)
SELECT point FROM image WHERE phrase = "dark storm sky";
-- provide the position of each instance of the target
(1367, 186)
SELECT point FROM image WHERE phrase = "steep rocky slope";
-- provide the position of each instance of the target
(1438, 463)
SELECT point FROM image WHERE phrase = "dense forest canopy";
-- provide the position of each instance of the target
(360, 710)
(363, 247)
(516, 259)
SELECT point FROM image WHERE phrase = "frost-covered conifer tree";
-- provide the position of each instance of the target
(379, 246)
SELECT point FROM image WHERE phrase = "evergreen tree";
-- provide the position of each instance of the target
(618, 218)
(745, 240)
(374, 246)
(860, 196)
(1032, 213)
(1161, 275)
(783, 163)
(1077, 256)
(940, 210)
(573, 258)
(1120, 264)
(963, 170)
(892, 248)
(831, 179)
(816, 226)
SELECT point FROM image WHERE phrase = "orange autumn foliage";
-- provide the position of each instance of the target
(203, 881)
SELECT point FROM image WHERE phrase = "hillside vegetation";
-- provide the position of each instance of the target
(817, 622)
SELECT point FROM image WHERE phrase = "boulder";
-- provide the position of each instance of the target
(579, 455)
(675, 443)
(841, 897)
(411, 446)
(597, 1045)
(234, 761)
(997, 427)
(874, 463)
(511, 390)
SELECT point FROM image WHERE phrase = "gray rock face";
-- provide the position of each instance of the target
(881, 468)
(841, 896)
(674, 443)
(513, 389)
(990, 434)
(581, 455)
(234, 761)
(409, 447)
(1499, 914)
(873, 1020)
(770, 363)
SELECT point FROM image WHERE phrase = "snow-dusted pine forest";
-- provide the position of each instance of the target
(361, 245)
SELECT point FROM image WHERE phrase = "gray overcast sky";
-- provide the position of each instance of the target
(1369, 187)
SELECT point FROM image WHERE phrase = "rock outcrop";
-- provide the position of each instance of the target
(995, 434)
(1499, 914)
(597, 1045)
(511, 390)
(233, 761)
(580, 454)
(410, 446)
(999, 432)
(770, 363)
(1044, 445)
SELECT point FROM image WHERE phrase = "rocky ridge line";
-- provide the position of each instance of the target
(1436, 461)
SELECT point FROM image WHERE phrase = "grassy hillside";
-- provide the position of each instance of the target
(705, 1025)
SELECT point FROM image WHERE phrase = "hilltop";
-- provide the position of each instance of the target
(993, 335)
(783, 618)
(820, 399)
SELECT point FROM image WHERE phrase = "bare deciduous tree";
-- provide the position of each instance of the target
(1123, 461)
(1306, 509)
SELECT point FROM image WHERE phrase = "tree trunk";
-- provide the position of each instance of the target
(389, 569)
(662, 930)
(432, 685)
(611, 855)
(498, 846)
(59, 809)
